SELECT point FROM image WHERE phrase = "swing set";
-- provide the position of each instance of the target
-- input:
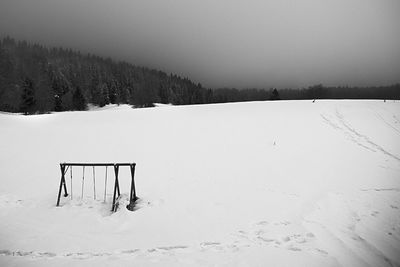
(132, 197)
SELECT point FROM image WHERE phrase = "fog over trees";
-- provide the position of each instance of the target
(35, 78)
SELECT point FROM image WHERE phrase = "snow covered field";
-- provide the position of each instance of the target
(288, 183)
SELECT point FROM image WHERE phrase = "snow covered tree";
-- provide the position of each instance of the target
(57, 103)
(103, 95)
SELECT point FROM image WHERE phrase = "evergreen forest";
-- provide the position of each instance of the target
(39, 79)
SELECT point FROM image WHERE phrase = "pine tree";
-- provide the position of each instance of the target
(275, 95)
(103, 95)
(28, 100)
(112, 94)
(78, 100)
(57, 103)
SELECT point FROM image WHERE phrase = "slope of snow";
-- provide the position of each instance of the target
(243, 184)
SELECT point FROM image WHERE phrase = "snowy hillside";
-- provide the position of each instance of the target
(282, 183)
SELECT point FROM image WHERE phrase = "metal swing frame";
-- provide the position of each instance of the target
(132, 198)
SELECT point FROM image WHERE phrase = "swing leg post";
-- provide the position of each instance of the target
(71, 181)
(62, 183)
(132, 197)
(116, 187)
(65, 187)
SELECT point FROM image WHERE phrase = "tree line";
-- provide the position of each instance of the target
(317, 91)
(36, 78)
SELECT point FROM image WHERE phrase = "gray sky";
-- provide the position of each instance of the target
(266, 43)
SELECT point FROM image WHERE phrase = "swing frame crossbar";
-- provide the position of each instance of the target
(132, 197)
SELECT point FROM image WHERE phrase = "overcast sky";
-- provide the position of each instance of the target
(228, 43)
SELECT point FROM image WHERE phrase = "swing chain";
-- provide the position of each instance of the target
(105, 186)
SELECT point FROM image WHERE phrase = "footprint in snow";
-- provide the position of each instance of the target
(266, 233)
(211, 245)
(285, 223)
(374, 213)
(172, 247)
(266, 239)
(130, 251)
(294, 248)
(48, 254)
(321, 251)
